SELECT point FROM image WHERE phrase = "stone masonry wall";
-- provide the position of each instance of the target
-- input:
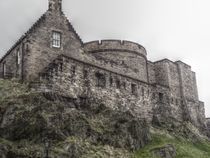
(174, 80)
(183, 96)
(161, 73)
(188, 83)
(196, 111)
(13, 67)
(151, 72)
(77, 79)
(104, 45)
(41, 52)
(120, 56)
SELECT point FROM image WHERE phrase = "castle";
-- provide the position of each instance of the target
(52, 57)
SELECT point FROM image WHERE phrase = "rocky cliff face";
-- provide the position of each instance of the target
(34, 125)
(72, 128)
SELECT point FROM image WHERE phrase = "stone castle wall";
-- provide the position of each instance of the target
(13, 68)
(151, 72)
(188, 81)
(84, 82)
(76, 79)
(103, 45)
(124, 57)
(115, 72)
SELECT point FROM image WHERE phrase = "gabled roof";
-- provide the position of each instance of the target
(33, 27)
(71, 28)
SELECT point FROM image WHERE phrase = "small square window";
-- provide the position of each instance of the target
(134, 89)
(56, 41)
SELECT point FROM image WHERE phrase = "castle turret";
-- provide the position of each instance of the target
(123, 57)
(55, 5)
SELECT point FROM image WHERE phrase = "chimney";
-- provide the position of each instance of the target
(55, 5)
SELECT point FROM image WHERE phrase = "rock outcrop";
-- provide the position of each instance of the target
(168, 151)
(71, 128)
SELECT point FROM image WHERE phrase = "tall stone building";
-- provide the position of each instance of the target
(53, 58)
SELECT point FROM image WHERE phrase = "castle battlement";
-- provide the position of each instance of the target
(115, 45)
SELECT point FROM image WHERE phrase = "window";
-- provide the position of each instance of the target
(85, 74)
(18, 57)
(182, 102)
(111, 81)
(172, 100)
(142, 92)
(134, 89)
(4, 69)
(118, 84)
(161, 97)
(153, 96)
(56, 70)
(56, 41)
(101, 80)
(73, 70)
(124, 85)
(61, 67)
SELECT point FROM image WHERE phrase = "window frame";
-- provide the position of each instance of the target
(73, 70)
(100, 80)
(18, 55)
(161, 97)
(4, 68)
(111, 81)
(118, 84)
(56, 39)
(134, 89)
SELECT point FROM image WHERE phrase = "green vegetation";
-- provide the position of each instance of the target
(11, 88)
(185, 148)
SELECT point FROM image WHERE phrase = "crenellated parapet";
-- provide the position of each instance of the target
(115, 45)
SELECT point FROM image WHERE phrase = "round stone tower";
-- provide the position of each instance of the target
(124, 57)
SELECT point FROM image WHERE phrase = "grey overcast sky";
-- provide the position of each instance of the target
(174, 29)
